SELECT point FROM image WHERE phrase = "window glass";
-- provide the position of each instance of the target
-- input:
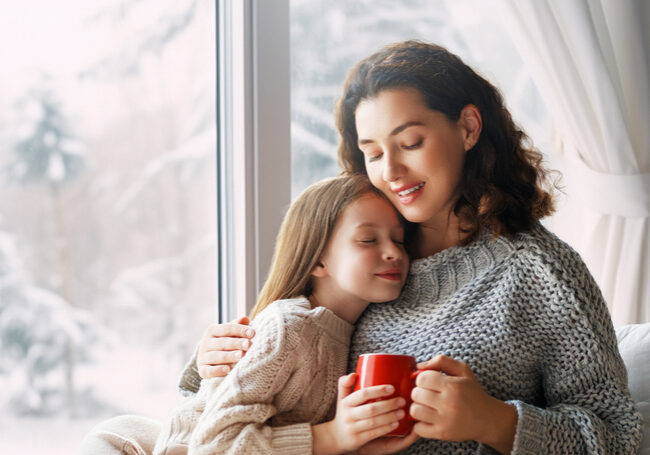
(329, 36)
(107, 211)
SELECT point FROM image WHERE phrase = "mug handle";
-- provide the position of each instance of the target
(414, 374)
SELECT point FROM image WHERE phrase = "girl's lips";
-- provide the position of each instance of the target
(392, 275)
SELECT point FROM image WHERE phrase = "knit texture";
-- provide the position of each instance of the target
(286, 382)
(527, 317)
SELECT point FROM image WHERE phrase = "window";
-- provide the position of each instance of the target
(108, 226)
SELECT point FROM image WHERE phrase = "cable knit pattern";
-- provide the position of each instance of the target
(286, 382)
(527, 317)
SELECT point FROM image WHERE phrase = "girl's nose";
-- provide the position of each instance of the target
(392, 252)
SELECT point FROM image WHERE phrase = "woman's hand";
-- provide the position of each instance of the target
(451, 405)
(358, 422)
(222, 346)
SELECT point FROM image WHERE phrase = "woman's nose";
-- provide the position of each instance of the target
(393, 168)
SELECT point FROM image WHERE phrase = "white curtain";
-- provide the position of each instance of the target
(590, 61)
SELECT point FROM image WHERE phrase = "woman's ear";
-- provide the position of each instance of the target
(319, 270)
(471, 123)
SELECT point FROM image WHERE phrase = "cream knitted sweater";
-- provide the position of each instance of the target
(286, 382)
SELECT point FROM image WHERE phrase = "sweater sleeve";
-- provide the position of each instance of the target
(236, 419)
(190, 380)
(588, 406)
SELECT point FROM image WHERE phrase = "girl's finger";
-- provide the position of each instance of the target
(378, 421)
(369, 393)
(368, 410)
(346, 384)
(377, 432)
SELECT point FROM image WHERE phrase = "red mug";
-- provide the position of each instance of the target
(394, 369)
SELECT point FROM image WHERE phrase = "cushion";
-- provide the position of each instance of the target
(634, 345)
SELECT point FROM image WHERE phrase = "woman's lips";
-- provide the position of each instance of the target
(408, 194)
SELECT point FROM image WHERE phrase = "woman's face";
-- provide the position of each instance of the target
(412, 153)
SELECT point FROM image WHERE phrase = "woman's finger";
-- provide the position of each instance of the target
(447, 365)
(220, 357)
(432, 380)
(210, 371)
(423, 413)
(425, 397)
(226, 344)
(230, 329)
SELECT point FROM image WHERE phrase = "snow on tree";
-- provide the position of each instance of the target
(49, 153)
(38, 332)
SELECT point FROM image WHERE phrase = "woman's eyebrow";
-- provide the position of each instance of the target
(396, 131)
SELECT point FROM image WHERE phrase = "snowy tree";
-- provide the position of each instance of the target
(39, 331)
(49, 153)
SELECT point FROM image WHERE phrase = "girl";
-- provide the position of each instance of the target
(339, 248)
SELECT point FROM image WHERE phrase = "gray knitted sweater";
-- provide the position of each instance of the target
(527, 317)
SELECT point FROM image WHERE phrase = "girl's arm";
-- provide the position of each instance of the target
(237, 411)
(357, 425)
(236, 414)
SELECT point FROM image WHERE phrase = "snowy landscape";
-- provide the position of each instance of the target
(107, 222)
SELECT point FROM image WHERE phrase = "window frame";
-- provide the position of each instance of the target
(254, 144)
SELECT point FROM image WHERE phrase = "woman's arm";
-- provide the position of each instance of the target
(450, 404)
(219, 350)
(587, 409)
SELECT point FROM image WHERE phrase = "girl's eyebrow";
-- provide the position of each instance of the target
(374, 225)
(395, 132)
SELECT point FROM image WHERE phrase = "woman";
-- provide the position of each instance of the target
(514, 332)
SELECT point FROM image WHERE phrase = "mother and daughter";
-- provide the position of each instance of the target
(514, 336)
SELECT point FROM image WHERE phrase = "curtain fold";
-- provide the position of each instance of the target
(590, 61)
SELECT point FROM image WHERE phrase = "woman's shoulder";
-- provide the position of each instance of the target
(554, 263)
(541, 247)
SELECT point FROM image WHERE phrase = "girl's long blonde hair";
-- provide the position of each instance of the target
(304, 233)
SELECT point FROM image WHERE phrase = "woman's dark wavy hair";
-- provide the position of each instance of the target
(502, 184)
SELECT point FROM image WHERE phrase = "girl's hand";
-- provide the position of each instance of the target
(222, 346)
(358, 422)
(451, 405)
(389, 444)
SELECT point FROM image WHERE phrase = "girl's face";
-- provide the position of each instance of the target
(365, 258)
(413, 154)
